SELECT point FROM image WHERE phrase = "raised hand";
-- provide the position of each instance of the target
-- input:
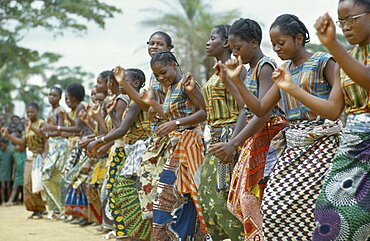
(189, 82)
(234, 68)
(153, 117)
(283, 79)
(111, 105)
(147, 97)
(96, 109)
(4, 132)
(325, 28)
(83, 116)
(220, 70)
(50, 120)
(27, 124)
(119, 74)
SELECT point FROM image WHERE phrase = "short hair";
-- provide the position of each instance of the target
(290, 24)
(137, 74)
(247, 30)
(57, 89)
(33, 105)
(76, 90)
(365, 3)
(164, 35)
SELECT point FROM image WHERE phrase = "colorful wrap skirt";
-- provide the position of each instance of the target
(213, 191)
(244, 200)
(176, 208)
(306, 150)
(343, 206)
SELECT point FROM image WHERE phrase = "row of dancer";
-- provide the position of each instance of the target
(274, 169)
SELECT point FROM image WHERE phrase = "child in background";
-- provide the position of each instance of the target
(6, 162)
(19, 158)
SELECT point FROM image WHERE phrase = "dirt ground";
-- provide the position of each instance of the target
(14, 226)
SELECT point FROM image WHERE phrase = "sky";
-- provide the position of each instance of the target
(123, 41)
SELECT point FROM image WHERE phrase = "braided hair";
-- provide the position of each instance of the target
(223, 30)
(164, 57)
(247, 30)
(290, 24)
(137, 74)
(104, 75)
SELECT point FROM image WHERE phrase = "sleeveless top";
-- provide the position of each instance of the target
(140, 129)
(310, 77)
(34, 142)
(177, 104)
(252, 81)
(54, 114)
(157, 89)
(222, 108)
(356, 98)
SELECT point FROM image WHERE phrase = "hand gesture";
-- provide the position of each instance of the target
(83, 116)
(4, 132)
(283, 79)
(222, 150)
(111, 105)
(92, 147)
(119, 74)
(189, 82)
(153, 117)
(27, 124)
(220, 70)
(166, 128)
(325, 28)
(147, 97)
(50, 120)
(234, 68)
(96, 110)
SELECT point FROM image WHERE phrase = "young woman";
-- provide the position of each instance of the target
(131, 139)
(153, 160)
(247, 183)
(222, 115)
(301, 153)
(342, 210)
(176, 207)
(36, 145)
(57, 154)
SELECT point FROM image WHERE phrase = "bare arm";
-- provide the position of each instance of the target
(357, 71)
(331, 108)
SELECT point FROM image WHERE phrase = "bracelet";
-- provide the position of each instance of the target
(59, 127)
(102, 140)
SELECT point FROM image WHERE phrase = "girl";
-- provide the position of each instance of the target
(247, 179)
(222, 115)
(176, 205)
(342, 209)
(131, 143)
(54, 160)
(36, 146)
(153, 160)
(300, 154)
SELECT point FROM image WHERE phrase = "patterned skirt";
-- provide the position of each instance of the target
(247, 187)
(176, 207)
(213, 191)
(343, 206)
(296, 178)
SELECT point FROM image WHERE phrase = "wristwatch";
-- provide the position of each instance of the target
(177, 122)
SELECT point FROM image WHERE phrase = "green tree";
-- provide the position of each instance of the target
(18, 65)
(189, 23)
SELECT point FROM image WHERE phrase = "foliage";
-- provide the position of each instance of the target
(19, 65)
(189, 22)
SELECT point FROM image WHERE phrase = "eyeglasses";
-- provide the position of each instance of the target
(350, 21)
